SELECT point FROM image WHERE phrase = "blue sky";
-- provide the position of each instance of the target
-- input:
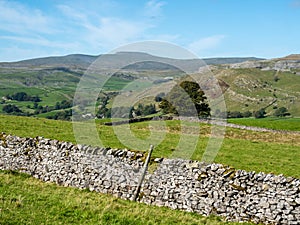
(208, 28)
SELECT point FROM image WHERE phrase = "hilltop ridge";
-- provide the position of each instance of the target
(81, 60)
(249, 83)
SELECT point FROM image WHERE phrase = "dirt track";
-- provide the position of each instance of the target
(243, 127)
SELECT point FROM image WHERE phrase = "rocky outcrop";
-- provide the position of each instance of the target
(237, 195)
(274, 64)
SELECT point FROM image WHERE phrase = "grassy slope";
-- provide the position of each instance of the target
(292, 124)
(257, 88)
(256, 85)
(38, 202)
(259, 151)
(45, 203)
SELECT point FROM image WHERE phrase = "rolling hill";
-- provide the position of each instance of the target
(80, 60)
(249, 83)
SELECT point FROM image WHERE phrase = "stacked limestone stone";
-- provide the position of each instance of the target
(236, 195)
(98, 169)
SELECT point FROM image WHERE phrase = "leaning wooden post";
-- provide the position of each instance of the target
(137, 190)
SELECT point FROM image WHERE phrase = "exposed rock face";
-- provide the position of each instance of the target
(274, 64)
(236, 195)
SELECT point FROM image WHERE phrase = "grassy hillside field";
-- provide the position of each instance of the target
(252, 89)
(45, 203)
(242, 149)
(275, 123)
(245, 89)
(37, 202)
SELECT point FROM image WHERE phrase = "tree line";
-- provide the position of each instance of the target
(261, 113)
(185, 99)
(23, 96)
(126, 111)
(38, 109)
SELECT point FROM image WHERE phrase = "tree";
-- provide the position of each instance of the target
(149, 109)
(281, 112)
(186, 99)
(103, 112)
(62, 115)
(144, 110)
(234, 114)
(159, 97)
(11, 109)
(247, 114)
(35, 105)
(260, 114)
(276, 78)
(22, 96)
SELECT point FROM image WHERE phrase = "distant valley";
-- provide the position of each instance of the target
(249, 84)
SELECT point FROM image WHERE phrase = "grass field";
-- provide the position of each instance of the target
(45, 203)
(242, 149)
(252, 89)
(275, 123)
(24, 200)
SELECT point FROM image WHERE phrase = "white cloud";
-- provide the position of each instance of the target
(73, 14)
(153, 8)
(111, 32)
(8, 54)
(74, 27)
(205, 43)
(40, 41)
(16, 18)
(100, 31)
(114, 31)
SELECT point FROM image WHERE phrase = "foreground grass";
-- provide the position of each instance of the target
(242, 149)
(25, 200)
(275, 123)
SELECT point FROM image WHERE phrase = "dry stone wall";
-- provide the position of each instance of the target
(98, 169)
(236, 195)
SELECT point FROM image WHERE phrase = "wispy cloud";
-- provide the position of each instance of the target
(103, 31)
(16, 18)
(114, 31)
(72, 13)
(205, 43)
(40, 41)
(111, 31)
(10, 53)
(76, 27)
(153, 8)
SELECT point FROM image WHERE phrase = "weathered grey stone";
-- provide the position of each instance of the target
(158, 160)
(237, 195)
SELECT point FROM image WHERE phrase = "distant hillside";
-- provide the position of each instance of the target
(249, 84)
(52, 61)
(83, 61)
(250, 89)
(217, 61)
(287, 63)
(291, 57)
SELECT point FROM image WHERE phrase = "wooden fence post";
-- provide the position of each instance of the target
(138, 189)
